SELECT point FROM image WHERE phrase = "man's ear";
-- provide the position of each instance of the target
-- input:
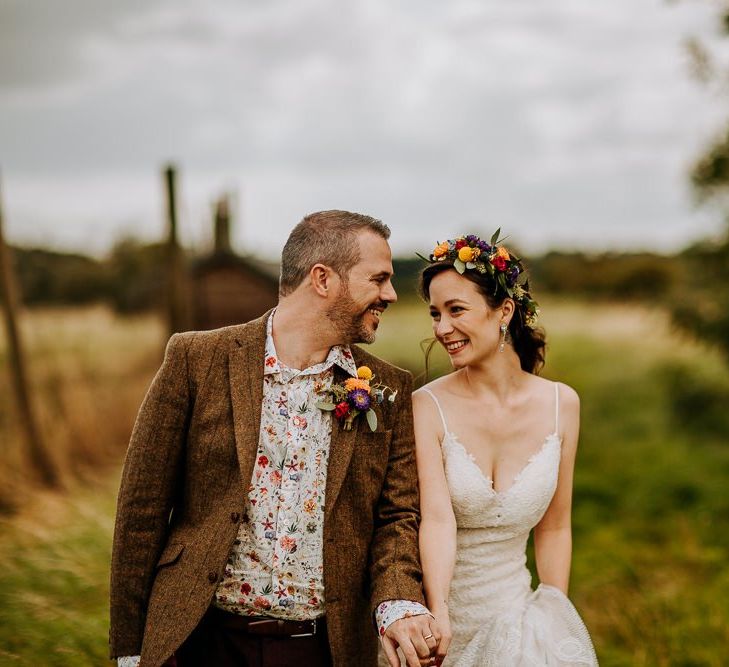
(323, 279)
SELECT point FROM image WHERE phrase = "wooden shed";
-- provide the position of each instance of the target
(227, 288)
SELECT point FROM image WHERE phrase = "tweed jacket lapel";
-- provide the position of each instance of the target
(341, 448)
(245, 374)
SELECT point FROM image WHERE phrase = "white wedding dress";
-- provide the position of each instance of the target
(496, 617)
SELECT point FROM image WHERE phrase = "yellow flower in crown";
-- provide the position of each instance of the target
(350, 384)
(465, 254)
(440, 250)
(364, 373)
(503, 252)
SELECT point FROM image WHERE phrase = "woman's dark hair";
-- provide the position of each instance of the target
(529, 343)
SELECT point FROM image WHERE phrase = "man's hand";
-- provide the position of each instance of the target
(417, 636)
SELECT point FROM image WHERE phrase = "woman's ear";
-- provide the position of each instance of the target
(507, 310)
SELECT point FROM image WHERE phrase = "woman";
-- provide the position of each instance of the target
(496, 450)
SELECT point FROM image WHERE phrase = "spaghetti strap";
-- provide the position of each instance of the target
(437, 405)
(556, 407)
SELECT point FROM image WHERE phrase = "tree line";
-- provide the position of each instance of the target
(131, 279)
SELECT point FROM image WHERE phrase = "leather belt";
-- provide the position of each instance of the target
(265, 625)
(280, 627)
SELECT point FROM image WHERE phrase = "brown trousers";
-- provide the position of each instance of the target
(221, 640)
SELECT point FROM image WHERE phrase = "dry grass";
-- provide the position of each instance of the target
(88, 372)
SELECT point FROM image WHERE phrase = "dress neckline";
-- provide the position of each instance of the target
(447, 433)
(488, 479)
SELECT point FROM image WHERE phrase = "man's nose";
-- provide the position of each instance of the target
(388, 292)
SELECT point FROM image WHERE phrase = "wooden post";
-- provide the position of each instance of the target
(222, 226)
(175, 282)
(36, 451)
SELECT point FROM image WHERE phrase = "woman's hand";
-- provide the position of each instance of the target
(443, 633)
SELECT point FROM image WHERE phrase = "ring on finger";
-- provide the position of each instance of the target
(427, 637)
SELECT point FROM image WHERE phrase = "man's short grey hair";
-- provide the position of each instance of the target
(326, 237)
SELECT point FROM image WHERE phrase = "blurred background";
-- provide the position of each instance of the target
(154, 156)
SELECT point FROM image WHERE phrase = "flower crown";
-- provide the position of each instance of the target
(510, 279)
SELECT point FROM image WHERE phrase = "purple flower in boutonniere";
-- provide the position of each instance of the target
(360, 399)
(355, 397)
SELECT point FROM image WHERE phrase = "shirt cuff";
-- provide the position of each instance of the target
(128, 661)
(393, 610)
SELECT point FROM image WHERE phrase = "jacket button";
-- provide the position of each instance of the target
(212, 577)
(235, 517)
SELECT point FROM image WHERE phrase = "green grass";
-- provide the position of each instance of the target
(651, 510)
(54, 573)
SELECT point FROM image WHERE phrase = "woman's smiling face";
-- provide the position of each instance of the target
(463, 323)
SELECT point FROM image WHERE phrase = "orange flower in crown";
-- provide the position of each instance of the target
(441, 249)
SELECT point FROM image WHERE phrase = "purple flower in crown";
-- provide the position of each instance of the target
(512, 275)
(360, 399)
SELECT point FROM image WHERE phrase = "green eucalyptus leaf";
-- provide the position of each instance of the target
(372, 419)
(325, 405)
(522, 278)
(470, 265)
(495, 237)
(459, 266)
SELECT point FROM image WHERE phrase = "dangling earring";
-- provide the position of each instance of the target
(504, 328)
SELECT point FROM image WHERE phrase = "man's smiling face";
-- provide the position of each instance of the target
(365, 293)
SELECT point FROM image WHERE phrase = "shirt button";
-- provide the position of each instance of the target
(212, 577)
(235, 517)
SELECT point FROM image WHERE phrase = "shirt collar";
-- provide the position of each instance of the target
(341, 355)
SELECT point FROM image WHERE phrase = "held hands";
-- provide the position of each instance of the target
(443, 626)
(421, 639)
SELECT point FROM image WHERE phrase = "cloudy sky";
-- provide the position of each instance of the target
(567, 123)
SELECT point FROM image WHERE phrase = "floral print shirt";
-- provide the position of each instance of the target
(276, 566)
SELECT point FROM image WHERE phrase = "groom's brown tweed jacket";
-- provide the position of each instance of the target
(184, 486)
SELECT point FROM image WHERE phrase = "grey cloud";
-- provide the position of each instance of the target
(524, 113)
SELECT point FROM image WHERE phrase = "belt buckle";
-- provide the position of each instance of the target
(307, 634)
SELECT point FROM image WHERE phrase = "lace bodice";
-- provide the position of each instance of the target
(504, 514)
(497, 619)
(513, 511)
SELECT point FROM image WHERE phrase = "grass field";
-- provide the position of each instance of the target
(651, 510)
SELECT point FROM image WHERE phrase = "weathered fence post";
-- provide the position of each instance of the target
(176, 310)
(36, 451)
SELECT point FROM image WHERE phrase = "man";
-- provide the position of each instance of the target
(252, 527)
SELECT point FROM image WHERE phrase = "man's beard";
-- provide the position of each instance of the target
(348, 320)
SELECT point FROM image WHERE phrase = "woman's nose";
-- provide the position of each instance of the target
(443, 326)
